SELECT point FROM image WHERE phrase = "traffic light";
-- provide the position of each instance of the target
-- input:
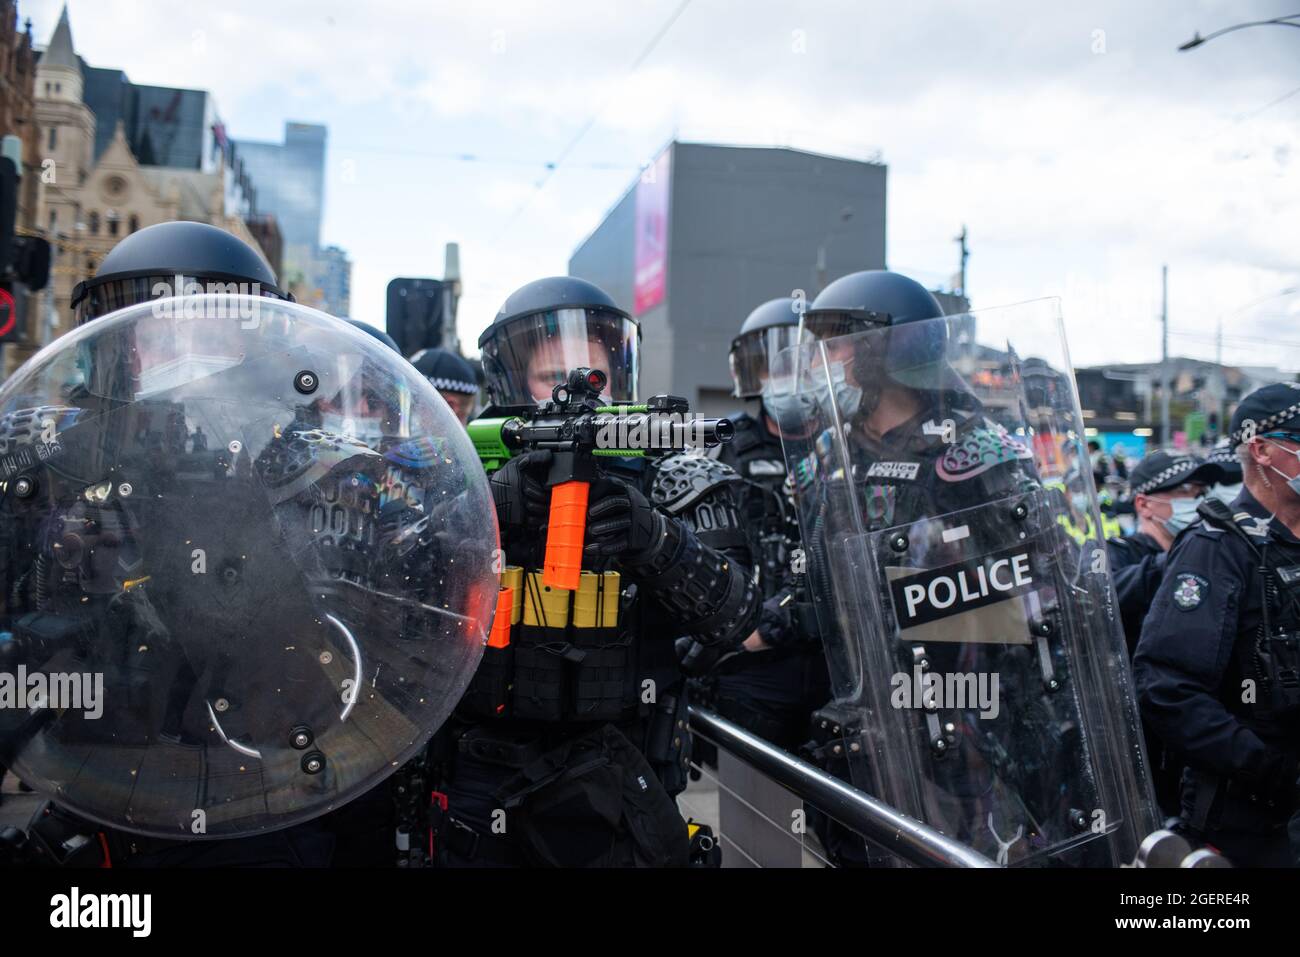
(23, 259)
(8, 210)
(8, 314)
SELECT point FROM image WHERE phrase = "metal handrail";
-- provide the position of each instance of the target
(910, 839)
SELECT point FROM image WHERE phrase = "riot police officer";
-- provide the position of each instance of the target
(1217, 668)
(231, 596)
(919, 499)
(774, 686)
(902, 436)
(572, 742)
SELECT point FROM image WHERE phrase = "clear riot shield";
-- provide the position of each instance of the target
(949, 519)
(247, 566)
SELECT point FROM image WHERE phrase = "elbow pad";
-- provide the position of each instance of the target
(708, 593)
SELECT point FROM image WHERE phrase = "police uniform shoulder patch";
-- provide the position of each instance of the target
(1257, 527)
(682, 479)
(1189, 591)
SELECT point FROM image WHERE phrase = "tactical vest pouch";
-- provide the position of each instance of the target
(542, 661)
(489, 693)
(594, 802)
(543, 652)
(1280, 660)
(668, 743)
(603, 687)
(603, 681)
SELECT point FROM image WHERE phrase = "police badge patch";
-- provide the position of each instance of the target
(1190, 591)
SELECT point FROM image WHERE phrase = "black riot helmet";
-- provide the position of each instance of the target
(551, 326)
(859, 300)
(872, 324)
(173, 259)
(767, 330)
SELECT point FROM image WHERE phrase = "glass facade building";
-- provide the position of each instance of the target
(290, 178)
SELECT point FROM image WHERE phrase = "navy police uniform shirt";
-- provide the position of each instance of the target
(1187, 668)
(1137, 565)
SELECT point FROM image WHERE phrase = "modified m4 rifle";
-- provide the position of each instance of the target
(579, 430)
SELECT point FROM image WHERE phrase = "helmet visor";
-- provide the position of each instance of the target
(829, 323)
(529, 356)
(90, 300)
(751, 355)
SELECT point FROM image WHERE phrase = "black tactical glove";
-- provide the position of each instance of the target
(620, 521)
(518, 490)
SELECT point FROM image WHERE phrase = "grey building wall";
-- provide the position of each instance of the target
(744, 226)
(607, 257)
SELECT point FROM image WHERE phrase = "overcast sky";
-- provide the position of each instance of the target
(1078, 146)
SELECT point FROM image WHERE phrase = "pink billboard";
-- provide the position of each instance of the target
(651, 260)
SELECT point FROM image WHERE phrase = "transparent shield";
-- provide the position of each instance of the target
(247, 566)
(953, 556)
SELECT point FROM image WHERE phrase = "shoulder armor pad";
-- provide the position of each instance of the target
(979, 449)
(682, 479)
(30, 426)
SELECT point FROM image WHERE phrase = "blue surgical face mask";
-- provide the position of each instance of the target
(792, 412)
(848, 398)
(1292, 483)
(1183, 514)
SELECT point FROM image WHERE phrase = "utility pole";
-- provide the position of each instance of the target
(1164, 356)
(965, 255)
(1218, 344)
